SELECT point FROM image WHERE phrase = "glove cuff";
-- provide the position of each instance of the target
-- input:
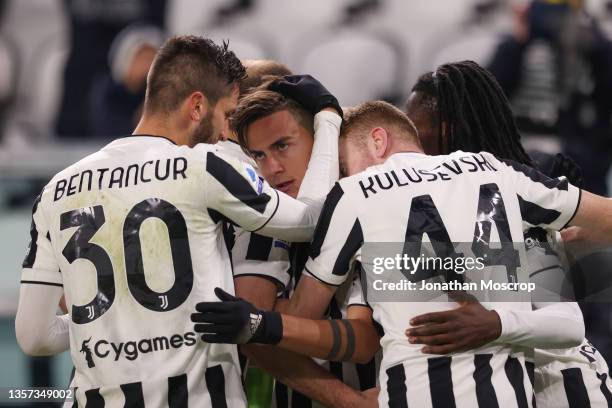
(273, 329)
(329, 102)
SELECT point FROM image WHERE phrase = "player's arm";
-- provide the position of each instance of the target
(236, 321)
(302, 374)
(333, 251)
(258, 282)
(333, 339)
(594, 214)
(38, 330)
(260, 267)
(471, 325)
(555, 203)
(233, 190)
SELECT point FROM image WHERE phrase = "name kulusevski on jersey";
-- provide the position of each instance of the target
(447, 199)
(135, 241)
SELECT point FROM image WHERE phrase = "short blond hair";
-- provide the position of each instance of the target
(368, 115)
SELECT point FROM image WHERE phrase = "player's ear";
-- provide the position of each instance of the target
(380, 137)
(197, 104)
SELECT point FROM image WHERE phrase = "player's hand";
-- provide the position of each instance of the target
(564, 166)
(236, 321)
(306, 91)
(465, 328)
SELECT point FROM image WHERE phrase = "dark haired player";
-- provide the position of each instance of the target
(441, 189)
(132, 236)
(460, 106)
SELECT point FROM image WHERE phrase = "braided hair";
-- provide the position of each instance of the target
(470, 109)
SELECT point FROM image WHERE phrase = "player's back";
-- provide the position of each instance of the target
(430, 209)
(137, 249)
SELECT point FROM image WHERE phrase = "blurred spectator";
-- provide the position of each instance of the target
(94, 24)
(115, 99)
(555, 68)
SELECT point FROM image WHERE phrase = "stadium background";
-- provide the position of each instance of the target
(360, 49)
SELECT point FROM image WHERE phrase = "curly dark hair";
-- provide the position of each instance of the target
(188, 63)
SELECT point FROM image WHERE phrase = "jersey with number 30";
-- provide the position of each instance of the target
(133, 233)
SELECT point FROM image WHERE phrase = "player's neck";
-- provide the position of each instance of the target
(157, 126)
(405, 147)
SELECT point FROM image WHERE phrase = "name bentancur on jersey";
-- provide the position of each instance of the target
(121, 177)
(389, 179)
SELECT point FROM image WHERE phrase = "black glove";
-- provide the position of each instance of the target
(306, 91)
(236, 321)
(564, 166)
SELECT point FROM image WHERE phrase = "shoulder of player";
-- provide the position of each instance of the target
(482, 154)
(233, 149)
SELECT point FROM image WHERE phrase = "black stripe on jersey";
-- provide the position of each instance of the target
(30, 258)
(535, 215)
(531, 373)
(604, 388)
(217, 217)
(42, 283)
(367, 374)
(333, 197)
(299, 400)
(396, 386)
(441, 382)
(575, 390)
(271, 215)
(485, 392)
(75, 402)
(514, 372)
(235, 183)
(94, 399)
(177, 391)
(281, 393)
(215, 383)
(537, 176)
(353, 242)
(134, 398)
(259, 248)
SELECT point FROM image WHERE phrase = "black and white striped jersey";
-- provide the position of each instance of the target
(457, 198)
(133, 233)
(358, 376)
(571, 377)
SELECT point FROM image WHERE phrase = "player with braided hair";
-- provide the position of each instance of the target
(461, 106)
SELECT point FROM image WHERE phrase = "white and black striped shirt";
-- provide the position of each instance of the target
(133, 234)
(458, 198)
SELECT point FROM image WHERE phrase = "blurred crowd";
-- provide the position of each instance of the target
(74, 71)
(80, 74)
